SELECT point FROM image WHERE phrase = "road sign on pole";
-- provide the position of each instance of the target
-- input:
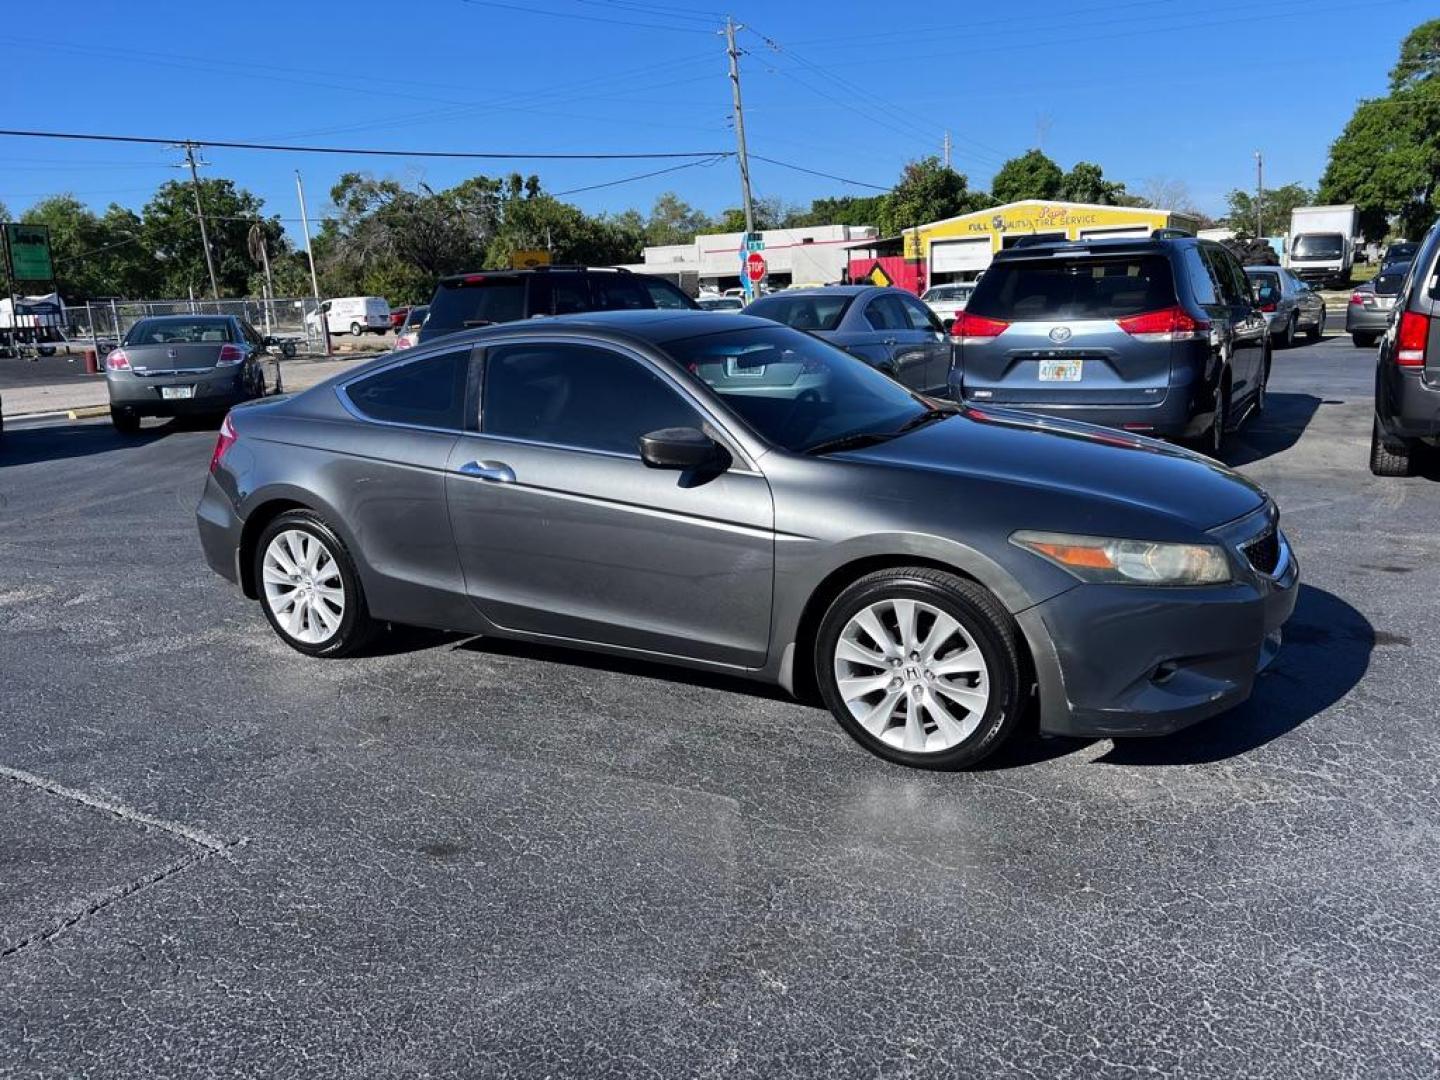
(755, 268)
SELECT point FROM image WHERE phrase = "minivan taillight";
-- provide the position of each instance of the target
(223, 442)
(1168, 324)
(117, 361)
(1357, 298)
(1412, 338)
(229, 355)
(976, 329)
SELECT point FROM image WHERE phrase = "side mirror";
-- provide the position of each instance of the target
(679, 448)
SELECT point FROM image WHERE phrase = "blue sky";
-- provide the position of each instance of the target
(1146, 88)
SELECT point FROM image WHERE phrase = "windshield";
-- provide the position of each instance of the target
(179, 332)
(720, 303)
(795, 390)
(1319, 246)
(817, 311)
(416, 316)
(1085, 288)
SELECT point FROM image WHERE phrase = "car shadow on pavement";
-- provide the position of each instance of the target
(55, 442)
(1325, 654)
(1274, 431)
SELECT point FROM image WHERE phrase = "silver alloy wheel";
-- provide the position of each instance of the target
(912, 676)
(303, 586)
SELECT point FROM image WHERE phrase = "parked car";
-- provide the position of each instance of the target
(354, 315)
(1161, 336)
(181, 365)
(465, 301)
(1407, 373)
(398, 315)
(712, 302)
(890, 329)
(729, 494)
(409, 333)
(1399, 251)
(947, 301)
(1289, 305)
(1368, 313)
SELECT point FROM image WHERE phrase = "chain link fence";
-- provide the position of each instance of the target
(102, 323)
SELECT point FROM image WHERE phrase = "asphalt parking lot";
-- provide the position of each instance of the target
(459, 857)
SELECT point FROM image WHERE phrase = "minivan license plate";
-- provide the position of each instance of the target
(171, 393)
(1060, 370)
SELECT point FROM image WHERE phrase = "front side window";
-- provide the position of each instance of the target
(579, 396)
(425, 393)
(665, 295)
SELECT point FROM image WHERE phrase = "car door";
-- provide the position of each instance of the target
(930, 336)
(564, 532)
(1243, 324)
(891, 338)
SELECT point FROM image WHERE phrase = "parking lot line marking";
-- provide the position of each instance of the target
(211, 844)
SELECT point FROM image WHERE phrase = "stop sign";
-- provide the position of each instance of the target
(755, 268)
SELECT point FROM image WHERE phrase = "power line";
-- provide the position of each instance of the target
(664, 10)
(817, 172)
(641, 176)
(586, 18)
(360, 151)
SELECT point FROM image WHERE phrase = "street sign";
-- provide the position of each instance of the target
(529, 260)
(754, 242)
(755, 268)
(28, 247)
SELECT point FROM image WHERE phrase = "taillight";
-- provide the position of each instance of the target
(977, 329)
(229, 355)
(117, 361)
(223, 443)
(1411, 339)
(1168, 324)
(403, 342)
(1268, 307)
(1357, 298)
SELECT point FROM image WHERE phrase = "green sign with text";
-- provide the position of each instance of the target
(28, 247)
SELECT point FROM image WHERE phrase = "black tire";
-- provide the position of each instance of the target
(983, 622)
(356, 330)
(1386, 460)
(125, 421)
(1364, 341)
(1287, 339)
(45, 350)
(1212, 441)
(1316, 332)
(356, 628)
(1263, 389)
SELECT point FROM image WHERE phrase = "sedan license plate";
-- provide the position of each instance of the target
(173, 393)
(1061, 370)
(1385, 303)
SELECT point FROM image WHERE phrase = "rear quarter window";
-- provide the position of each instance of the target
(1109, 287)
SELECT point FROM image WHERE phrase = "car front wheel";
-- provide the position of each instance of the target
(921, 667)
(309, 588)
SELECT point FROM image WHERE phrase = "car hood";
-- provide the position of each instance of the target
(1015, 447)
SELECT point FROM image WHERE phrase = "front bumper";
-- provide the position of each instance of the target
(212, 391)
(1117, 660)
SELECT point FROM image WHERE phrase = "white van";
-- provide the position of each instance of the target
(353, 315)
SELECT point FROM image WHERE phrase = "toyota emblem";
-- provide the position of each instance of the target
(1060, 335)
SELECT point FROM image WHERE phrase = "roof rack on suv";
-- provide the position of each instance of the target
(1171, 234)
(581, 266)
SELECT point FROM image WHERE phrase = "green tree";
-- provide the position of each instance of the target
(1086, 183)
(1032, 175)
(1277, 203)
(95, 255)
(1387, 159)
(673, 221)
(172, 234)
(928, 191)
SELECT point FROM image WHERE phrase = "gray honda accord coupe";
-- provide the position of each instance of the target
(722, 492)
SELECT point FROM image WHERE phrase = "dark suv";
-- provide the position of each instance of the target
(1407, 375)
(465, 301)
(1161, 336)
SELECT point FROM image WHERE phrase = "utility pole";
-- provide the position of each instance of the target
(305, 224)
(744, 158)
(946, 146)
(200, 213)
(1259, 195)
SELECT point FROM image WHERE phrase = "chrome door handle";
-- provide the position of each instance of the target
(495, 471)
(889, 341)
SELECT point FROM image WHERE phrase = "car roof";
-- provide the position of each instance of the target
(1138, 245)
(653, 325)
(828, 290)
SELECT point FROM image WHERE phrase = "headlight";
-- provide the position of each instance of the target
(1129, 562)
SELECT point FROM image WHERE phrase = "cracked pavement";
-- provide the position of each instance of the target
(466, 858)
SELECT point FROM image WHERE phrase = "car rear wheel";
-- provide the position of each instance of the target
(125, 421)
(1388, 460)
(1288, 337)
(921, 667)
(309, 588)
(356, 329)
(1316, 332)
(1363, 341)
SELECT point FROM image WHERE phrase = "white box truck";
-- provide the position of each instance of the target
(1321, 250)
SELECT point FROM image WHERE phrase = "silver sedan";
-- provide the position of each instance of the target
(1289, 304)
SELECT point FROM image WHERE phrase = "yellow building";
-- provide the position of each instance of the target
(960, 247)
